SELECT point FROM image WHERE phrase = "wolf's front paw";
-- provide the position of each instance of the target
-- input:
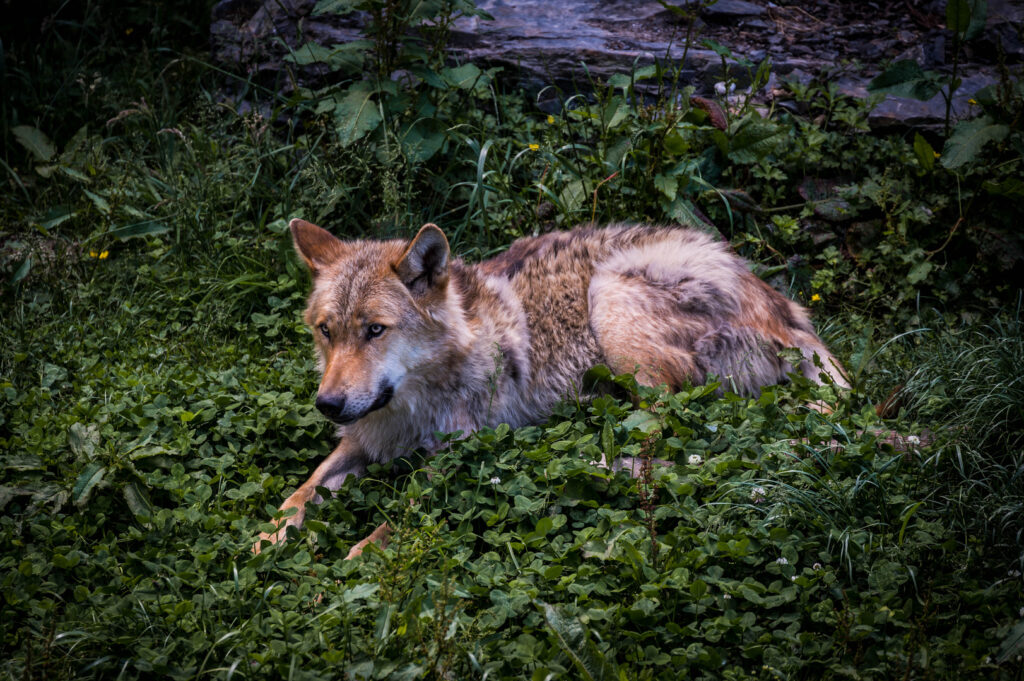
(380, 537)
(272, 537)
(280, 534)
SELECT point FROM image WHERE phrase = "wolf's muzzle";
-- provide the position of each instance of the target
(333, 407)
(338, 409)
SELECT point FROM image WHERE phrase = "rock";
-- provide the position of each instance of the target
(730, 10)
(903, 112)
(540, 43)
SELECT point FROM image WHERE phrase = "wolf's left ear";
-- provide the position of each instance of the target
(316, 245)
(424, 265)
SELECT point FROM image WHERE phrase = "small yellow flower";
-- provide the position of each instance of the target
(551, 119)
(815, 298)
(104, 254)
(972, 102)
(94, 254)
(534, 147)
(937, 154)
(128, 31)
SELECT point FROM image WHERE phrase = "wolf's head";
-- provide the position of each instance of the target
(379, 311)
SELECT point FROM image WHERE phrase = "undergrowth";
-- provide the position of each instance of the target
(157, 388)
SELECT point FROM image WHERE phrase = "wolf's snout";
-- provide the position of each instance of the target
(332, 406)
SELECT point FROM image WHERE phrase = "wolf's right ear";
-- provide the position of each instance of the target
(316, 245)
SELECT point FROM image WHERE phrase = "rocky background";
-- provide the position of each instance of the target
(539, 42)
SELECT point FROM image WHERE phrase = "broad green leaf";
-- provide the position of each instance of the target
(101, 203)
(683, 212)
(310, 53)
(1011, 187)
(137, 499)
(642, 420)
(624, 81)
(90, 476)
(37, 143)
(22, 271)
(357, 113)
(681, 11)
(614, 112)
(345, 58)
(423, 139)
(645, 72)
(572, 638)
(979, 15)
(907, 515)
(740, 200)
(462, 77)
(83, 439)
(667, 185)
(717, 48)
(340, 7)
(675, 143)
(57, 216)
(147, 228)
(620, 81)
(906, 79)
(754, 139)
(958, 15)
(53, 373)
(919, 271)
(968, 138)
(924, 152)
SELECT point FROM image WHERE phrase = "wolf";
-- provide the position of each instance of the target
(413, 342)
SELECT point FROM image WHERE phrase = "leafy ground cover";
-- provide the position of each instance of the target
(157, 382)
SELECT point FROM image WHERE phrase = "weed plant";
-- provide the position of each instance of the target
(156, 384)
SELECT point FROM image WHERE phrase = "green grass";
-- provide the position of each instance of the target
(156, 401)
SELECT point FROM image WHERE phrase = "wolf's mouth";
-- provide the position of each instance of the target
(382, 399)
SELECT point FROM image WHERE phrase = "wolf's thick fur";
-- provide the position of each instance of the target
(412, 342)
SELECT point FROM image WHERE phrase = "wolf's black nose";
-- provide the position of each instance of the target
(331, 406)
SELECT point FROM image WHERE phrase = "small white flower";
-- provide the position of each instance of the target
(495, 480)
(758, 494)
(793, 578)
(913, 440)
(1014, 573)
(816, 566)
(782, 561)
(695, 460)
(727, 597)
(722, 87)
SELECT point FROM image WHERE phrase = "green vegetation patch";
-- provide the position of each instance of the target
(157, 384)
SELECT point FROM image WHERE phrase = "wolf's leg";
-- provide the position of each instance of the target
(672, 322)
(344, 461)
(640, 331)
(379, 536)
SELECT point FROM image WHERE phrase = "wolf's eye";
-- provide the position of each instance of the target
(375, 330)
(325, 331)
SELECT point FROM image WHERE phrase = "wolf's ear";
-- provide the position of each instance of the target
(316, 245)
(424, 265)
